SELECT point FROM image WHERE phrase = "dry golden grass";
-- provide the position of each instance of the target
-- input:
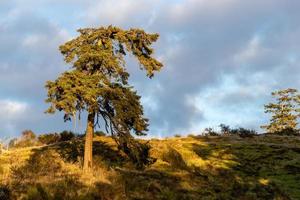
(186, 168)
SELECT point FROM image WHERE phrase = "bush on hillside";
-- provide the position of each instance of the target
(227, 131)
(27, 139)
(209, 132)
(66, 136)
(49, 138)
(138, 153)
(243, 132)
(287, 131)
(28, 135)
(52, 138)
(12, 143)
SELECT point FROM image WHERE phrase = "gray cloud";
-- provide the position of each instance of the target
(203, 44)
(28, 57)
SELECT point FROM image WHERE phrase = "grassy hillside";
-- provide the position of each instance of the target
(186, 168)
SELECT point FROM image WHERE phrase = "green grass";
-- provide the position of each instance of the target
(185, 168)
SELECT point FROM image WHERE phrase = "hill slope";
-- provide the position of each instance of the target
(262, 167)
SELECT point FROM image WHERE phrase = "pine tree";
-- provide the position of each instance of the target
(285, 111)
(98, 84)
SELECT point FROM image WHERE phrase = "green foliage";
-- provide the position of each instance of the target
(242, 132)
(118, 105)
(209, 132)
(227, 131)
(103, 49)
(139, 153)
(287, 131)
(66, 136)
(49, 138)
(285, 111)
(98, 82)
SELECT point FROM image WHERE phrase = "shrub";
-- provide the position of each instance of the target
(225, 129)
(177, 135)
(138, 153)
(242, 132)
(66, 136)
(12, 143)
(209, 132)
(28, 135)
(191, 135)
(52, 138)
(27, 139)
(287, 131)
(49, 138)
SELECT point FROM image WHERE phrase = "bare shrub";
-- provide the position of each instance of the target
(27, 139)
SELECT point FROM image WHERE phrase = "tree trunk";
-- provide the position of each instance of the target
(88, 147)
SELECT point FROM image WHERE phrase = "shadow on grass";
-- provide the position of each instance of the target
(249, 178)
(253, 170)
(45, 176)
(73, 151)
(182, 181)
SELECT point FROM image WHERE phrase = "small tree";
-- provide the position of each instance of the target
(285, 111)
(98, 84)
(27, 139)
(225, 129)
(28, 135)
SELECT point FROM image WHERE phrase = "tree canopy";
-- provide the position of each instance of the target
(285, 111)
(98, 82)
(118, 105)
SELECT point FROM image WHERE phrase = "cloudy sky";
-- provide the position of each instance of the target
(222, 58)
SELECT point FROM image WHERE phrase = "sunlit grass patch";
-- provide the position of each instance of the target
(185, 168)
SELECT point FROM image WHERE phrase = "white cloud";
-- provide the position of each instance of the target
(121, 12)
(252, 49)
(202, 41)
(12, 110)
(233, 102)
